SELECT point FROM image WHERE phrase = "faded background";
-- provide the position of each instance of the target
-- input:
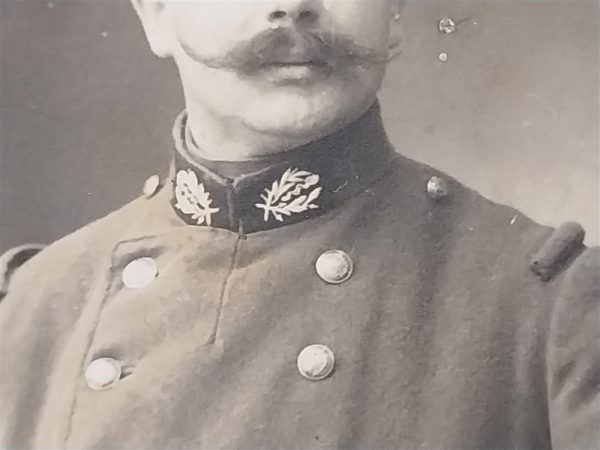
(86, 111)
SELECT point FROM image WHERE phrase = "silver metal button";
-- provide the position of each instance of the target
(446, 25)
(334, 266)
(437, 188)
(151, 186)
(139, 273)
(443, 57)
(316, 362)
(102, 373)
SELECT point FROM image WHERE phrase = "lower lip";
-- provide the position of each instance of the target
(294, 73)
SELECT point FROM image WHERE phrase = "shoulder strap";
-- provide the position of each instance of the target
(559, 250)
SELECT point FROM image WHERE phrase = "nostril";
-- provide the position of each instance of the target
(277, 15)
(307, 16)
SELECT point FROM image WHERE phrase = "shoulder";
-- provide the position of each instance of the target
(576, 312)
(74, 256)
(483, 231)
(581, 286)
(464, 212)
(573, 359)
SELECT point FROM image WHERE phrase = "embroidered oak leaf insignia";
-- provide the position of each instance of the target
(192, 198)
(293, 193)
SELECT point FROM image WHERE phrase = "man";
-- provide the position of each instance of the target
(294, 283)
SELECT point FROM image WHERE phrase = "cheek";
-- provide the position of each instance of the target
(366, 21)
(211, 28)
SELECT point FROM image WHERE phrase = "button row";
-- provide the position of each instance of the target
(333, 266)
(314, 362)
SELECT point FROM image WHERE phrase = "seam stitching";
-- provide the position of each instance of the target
(213, 334)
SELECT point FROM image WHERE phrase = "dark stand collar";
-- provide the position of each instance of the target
(291, 187)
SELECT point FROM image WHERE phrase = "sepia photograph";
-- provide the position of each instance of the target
(300, 224)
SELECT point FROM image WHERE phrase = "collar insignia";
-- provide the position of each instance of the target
(293, 193)
(298, 185)
(192, 198)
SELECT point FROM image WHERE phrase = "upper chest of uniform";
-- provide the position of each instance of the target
(199, 333)
(219, 320)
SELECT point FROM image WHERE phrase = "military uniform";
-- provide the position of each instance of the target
(337, 296)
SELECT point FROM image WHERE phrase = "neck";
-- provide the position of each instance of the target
(217, 138)
(283, 189)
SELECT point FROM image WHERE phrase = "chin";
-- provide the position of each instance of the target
(301, 113)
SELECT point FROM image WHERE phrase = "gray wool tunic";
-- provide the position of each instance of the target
(443, 335)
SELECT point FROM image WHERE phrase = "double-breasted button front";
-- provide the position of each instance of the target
(103, 373)
(437, 188)
(139, 273)
(316, 362)
(334, 266)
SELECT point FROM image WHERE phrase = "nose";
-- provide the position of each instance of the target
(299, 12)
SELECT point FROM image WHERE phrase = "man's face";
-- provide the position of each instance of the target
(289, 67)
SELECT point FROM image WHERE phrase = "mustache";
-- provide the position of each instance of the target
(290, 45)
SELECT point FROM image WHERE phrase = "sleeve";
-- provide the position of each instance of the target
(12, 259)
(573, 357)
